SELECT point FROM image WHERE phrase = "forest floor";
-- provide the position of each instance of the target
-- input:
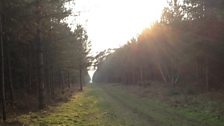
(115, 105)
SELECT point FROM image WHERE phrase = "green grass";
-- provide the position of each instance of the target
(113, 105)
(80, 110)
(162, 112)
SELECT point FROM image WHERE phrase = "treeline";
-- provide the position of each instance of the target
(185, 47)
(39, 53)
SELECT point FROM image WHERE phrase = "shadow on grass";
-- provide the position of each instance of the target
(13, 123)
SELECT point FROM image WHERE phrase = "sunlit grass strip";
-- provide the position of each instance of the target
(79, 110)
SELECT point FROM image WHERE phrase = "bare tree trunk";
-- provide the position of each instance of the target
(196, 70)
(48, 80)
(41, 58)
(206, 75)
(69, 83)
(141, 75)
(10, 80)
(41, 77)
(30, 69)
(62, 79)
(3, 71)
(133, 77)
(80, 78)
(162, 74)
(52, 82)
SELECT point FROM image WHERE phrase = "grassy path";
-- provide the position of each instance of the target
(111, 105)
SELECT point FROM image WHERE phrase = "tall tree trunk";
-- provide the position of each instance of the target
(41, 75)
(30, 70)
(69, 83)
(52, 83)
(162, 74)
(10, 80)
(62, 79)
(49, 81)
(80, 78)
(41, 59)
(206, 74)
(141, 75)
(2, 67)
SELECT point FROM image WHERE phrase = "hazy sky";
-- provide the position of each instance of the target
(111, 23)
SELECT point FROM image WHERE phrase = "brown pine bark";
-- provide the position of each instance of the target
(162, 74)
(2, 69)
(30, 70)
(11, 89)
(62, 79)
(69, 83)
(207, 75)
(41, 58)
(80, 78)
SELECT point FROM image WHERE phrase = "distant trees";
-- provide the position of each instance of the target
(186, 47)
(84, 60)
(39, 52)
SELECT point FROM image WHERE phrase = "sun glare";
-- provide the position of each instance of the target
(111, 23)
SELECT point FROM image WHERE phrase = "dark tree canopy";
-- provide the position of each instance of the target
(40, 55)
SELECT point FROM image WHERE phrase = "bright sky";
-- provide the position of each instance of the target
(111, 23)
